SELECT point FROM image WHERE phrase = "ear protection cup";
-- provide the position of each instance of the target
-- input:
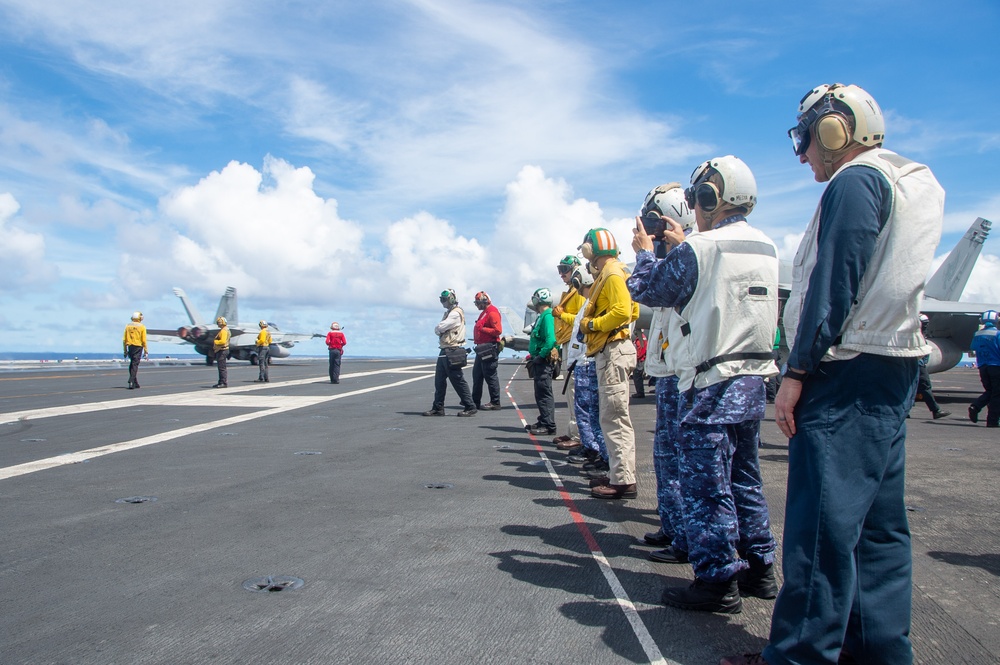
(832, 132)
(587, 250)
(706, 195)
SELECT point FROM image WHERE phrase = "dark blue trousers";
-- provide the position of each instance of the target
(335, 355)
(443, 373)
(847, 566)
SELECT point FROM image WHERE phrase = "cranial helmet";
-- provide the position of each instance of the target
(137, 316)
(599, 242)
(669, 201)
(262, 324)
(541, 297)
(334, 326)
(989, 317)
(567, 264)
(221, 321)
(839, 117)
(581, 277)
(482, 298)
(448, 298)
(721, 184)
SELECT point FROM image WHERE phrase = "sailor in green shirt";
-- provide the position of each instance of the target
(541, 347)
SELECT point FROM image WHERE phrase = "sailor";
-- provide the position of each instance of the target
(486, 336)
(542, 349)
(605, 325)
(220, 347)
(335, 343)
(452, 358)
(986, 346)
(593, 453)
(925, 390)
(854, 343)
(263, 352)
(134, 343)
(564, 316)
(723, 284)
(666, 200)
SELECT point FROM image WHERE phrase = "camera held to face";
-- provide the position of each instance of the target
(654, 225)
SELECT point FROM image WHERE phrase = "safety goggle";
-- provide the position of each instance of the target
(800, 133)
(565, 269)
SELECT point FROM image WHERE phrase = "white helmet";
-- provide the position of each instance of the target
(581, 277)
(221, 321)
(669, 201)
(262, 323)
(137, 316)
(334, 326)
(542, 296)
(722, 183)
(839, 117)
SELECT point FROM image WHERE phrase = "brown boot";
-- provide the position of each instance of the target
(615, 491)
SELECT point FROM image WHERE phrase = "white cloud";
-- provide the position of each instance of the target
(22, 253)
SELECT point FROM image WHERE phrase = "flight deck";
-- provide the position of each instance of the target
(303, 522)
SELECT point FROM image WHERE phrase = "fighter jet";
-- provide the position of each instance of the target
(242, 344)
(951, 323)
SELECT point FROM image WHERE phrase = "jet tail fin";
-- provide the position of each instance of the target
(948, 282)
(192, 313)
(228, 306)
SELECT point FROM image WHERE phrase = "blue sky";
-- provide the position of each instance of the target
(347, 161)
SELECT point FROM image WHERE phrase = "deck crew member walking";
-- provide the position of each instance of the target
(335, 342)
(452, 358)
(134, 343)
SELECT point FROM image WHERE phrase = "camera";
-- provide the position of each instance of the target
(654, 225)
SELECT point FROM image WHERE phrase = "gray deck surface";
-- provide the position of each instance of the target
(419, 540)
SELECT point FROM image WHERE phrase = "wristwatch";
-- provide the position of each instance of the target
(794, 374)
(590, 325)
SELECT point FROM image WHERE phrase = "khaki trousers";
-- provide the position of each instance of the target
(614, 367)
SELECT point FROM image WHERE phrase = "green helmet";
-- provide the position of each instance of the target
(568, 263)
(448, 298)
(540, 297)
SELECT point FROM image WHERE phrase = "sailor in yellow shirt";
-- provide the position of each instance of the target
(221, 347)
(605, 326)
(263, 352)
(134, 347)
(563, 317)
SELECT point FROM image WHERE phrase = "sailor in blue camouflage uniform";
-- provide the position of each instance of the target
(586, 401)
(666, 201)
(723, 284)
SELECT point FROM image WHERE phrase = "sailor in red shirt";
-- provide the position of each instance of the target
(335, 341)
(486, 336)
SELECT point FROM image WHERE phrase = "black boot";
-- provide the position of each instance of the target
(758, 580)
(723, 597)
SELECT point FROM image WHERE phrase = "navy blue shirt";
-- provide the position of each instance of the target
(853, 211)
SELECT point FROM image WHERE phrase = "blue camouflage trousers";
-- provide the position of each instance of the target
(668, 487)
(586, 404)
(725, 511)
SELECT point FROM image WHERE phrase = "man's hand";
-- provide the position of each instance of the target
(641, 241)
(784, 405)
(585, 324)
(557, 310)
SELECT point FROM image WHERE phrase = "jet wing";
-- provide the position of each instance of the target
(931, 307)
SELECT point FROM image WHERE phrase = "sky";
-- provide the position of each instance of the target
(346, 161)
